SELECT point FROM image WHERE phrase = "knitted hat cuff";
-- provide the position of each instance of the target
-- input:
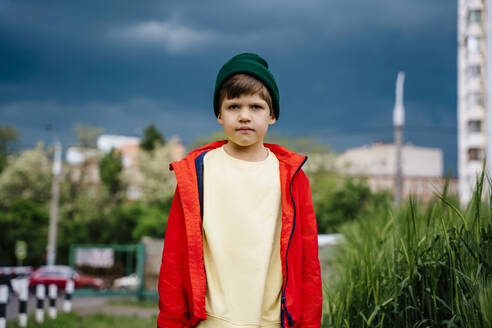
(253, 65)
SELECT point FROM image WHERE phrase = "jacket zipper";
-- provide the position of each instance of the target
(283, 300)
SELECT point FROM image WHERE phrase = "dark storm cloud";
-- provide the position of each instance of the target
(124, 64)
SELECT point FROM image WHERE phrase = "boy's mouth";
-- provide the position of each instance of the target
(244, 129)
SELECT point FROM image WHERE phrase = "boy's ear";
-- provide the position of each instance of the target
(272, 120)
(219, 119)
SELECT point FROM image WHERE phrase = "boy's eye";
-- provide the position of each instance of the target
(257, 107)
(232, 107)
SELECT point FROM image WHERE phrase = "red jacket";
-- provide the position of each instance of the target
(182, 279)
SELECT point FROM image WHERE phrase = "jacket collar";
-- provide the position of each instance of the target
(284, 155)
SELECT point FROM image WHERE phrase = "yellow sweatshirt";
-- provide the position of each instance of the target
(241, 241)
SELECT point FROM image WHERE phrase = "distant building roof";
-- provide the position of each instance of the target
(77, 155)
(106, 142)
(380, 159)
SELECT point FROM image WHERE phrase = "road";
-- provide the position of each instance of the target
(83, 306)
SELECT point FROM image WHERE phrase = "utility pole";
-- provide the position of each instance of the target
(399, 122)
(55, 195)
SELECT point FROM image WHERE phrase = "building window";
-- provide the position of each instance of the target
(474, 16)
(474, 154)
(473, 70)
(475, 99)
(474, 126)
(473, 44)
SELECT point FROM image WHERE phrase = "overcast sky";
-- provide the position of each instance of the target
(122, 65)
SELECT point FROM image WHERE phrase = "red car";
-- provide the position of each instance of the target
(59, 275)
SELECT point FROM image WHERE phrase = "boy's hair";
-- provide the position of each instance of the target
(238, 85)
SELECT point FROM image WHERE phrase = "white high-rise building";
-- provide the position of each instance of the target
(473, 104)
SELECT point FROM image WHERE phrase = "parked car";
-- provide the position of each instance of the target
(128, 282)
(60, 274)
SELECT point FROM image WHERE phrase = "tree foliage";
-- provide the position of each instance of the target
(7, 135)
(25, 220)
(110, 168)
(339, 199)
(87, 135)
(152, 138)
(156, 183)
(28, 176)
(125, 223)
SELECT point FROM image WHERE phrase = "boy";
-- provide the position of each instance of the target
(241, 247)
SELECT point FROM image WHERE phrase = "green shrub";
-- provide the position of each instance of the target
(338, 200)
(23, 220)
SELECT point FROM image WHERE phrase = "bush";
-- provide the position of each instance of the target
(113, 224)
(28, 221)
(338, 200)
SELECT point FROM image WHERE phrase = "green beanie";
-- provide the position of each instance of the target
(253, 65)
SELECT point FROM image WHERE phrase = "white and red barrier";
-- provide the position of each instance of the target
(23, 298)
(40, 295)
(4, 295)
(67, 304)
(21, 288)
(53, 294)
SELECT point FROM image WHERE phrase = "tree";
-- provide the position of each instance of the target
(152, 138)
(27, 176)
(84, 217)
(155, 183)
(110, 168)
(87, 135)
(23, 220)
(339, 199)
(7, 135)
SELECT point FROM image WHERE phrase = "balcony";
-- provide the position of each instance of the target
(475, 29)
(474, 58)
(474, 84)
(475, 140)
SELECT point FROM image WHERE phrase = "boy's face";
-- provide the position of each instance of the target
(245, 119)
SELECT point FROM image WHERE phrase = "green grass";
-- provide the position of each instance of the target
(420, 266)
(73, 320)
(134, 303)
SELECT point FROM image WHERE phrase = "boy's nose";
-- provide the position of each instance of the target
(244, 114)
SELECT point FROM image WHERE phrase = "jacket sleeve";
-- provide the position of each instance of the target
(173, 307)
(312, 294)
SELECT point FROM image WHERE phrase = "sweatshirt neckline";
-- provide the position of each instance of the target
(245, 162)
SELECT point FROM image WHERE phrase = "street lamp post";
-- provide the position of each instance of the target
(55, 195)
(399, 122)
